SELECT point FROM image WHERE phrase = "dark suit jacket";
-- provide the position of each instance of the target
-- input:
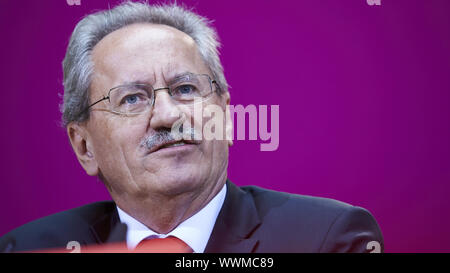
(252, 219)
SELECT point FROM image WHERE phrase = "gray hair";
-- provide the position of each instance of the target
(78, 66)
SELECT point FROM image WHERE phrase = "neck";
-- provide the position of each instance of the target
(162, 213)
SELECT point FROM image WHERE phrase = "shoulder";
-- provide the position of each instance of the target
(312, 224)
(56, 229)
(267, 201)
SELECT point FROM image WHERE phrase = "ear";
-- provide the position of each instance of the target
(228, 120)
(81, 145)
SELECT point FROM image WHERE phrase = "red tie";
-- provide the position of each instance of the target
(169, 244)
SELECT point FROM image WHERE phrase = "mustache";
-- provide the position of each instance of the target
(166, 135)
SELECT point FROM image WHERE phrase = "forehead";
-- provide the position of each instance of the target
(144, 52)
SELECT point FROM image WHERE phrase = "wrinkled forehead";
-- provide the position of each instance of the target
(145, 53)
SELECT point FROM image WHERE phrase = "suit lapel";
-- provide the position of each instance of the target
(235, 224)
(108, 228)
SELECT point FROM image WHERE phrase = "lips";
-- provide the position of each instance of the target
(170, 144)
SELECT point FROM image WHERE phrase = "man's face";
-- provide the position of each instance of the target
(151, 54)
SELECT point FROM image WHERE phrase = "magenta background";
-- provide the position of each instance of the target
(363, 94)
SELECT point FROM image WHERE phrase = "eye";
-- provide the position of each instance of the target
(131, 99)
(126, 98)
(185, 89)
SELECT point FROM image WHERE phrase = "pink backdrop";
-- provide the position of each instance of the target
(363, 91)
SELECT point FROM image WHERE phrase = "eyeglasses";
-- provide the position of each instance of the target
(137, 98)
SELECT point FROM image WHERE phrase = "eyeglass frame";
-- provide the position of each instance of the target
(211, 82)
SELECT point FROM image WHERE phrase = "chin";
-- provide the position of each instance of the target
(176, 185)
(173, 178)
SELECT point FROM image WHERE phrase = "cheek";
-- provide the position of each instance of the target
(220, 151)
(205, 117)
(118, 141)
(213, 150)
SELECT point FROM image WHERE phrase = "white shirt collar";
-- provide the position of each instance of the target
(194, 231)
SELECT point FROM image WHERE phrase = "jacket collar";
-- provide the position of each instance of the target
(235, 224)
(108, 229)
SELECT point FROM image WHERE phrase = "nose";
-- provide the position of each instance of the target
(165, 112)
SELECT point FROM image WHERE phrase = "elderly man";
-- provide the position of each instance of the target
(131, 75)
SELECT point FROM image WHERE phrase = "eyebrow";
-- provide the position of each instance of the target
(172, 80)
(178, 77)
